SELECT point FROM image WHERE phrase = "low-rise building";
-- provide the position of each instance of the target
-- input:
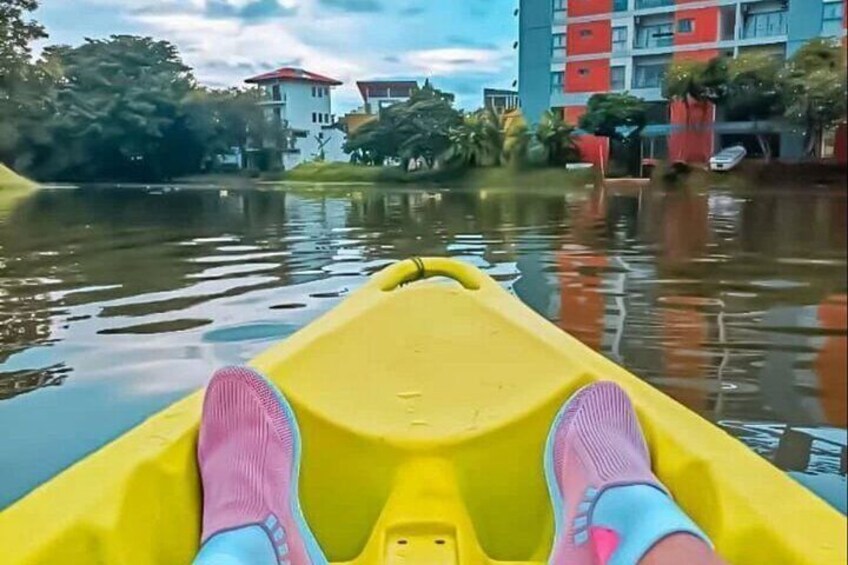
(379, 94)
(500, 101)
(299, 109)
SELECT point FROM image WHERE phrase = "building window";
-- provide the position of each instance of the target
(648, 4)
(558, 46)
(686, 25)
(766, 24)
(832, 15)
(585, 33)
(314, 118)
(661, 35)
(326, 118)
(557, 81)
(619, 39)
(583, 71)
(560, 5)
(649, 76)
(558, 40)
(619, 5)
(617, 78)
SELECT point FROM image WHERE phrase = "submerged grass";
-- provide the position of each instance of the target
(488, 177)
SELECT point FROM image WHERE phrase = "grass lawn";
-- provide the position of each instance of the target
(492, 177)
(9, 179)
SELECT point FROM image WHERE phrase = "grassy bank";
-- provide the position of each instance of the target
(493, 177)
(13, 189)
(9, 179)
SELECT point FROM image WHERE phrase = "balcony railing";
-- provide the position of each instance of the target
(652, 41)
(648, 4)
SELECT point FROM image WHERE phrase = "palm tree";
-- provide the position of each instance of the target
(556, 136)
(516, 141)
(477, 141)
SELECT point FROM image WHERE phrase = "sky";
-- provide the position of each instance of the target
(461, 45)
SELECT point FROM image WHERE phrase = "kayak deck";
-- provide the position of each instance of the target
(424, 408)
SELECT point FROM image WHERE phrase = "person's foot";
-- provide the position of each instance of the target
(249, 457)
(609, 507)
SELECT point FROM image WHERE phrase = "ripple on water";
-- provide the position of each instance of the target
(168, 326)
(288, 306)
(250, 332)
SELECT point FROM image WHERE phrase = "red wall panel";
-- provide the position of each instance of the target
(587, 76)
(691, 140)
(704, 26)
(589, 38)
(578, 8)
(593, 149)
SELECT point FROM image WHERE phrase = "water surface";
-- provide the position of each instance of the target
(116, 301)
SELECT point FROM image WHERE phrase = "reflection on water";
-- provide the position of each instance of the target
(115, 302)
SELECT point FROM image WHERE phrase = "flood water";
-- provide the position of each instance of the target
(115, 302)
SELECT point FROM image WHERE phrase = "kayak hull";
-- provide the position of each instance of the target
(424, 407)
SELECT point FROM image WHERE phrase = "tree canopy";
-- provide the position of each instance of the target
(556, 136)
(417, 128)
(815, 89)
(617, 115)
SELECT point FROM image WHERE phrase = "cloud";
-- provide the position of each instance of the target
(463, 41)
(454, 60)
(227, 41)
(354, 6)
(254, 10)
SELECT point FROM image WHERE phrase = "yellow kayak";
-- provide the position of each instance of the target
(424, 408)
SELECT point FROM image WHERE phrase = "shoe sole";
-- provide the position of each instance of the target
(554, 491)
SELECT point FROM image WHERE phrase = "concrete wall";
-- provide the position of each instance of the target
(804, 22)
(534, 76)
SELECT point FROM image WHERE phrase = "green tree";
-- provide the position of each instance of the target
(815, 90)
(556, 137)
(417, 128)
(516, 142)
(20, 92)
(119, 111)
(371, 144)
(220, 120)
(614, 115)
(691, 81)
(620, 117)
(755, 92)
(478, 140)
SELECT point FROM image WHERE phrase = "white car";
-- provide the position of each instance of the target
(728, 158)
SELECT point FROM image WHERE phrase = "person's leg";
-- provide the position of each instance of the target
(681, 548)
(609, 507)
(249, 457)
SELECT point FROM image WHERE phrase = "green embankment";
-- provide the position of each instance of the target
(13, 188)
(492, 177)
(9, 179)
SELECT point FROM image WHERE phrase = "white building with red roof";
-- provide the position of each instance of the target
(299, 102)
